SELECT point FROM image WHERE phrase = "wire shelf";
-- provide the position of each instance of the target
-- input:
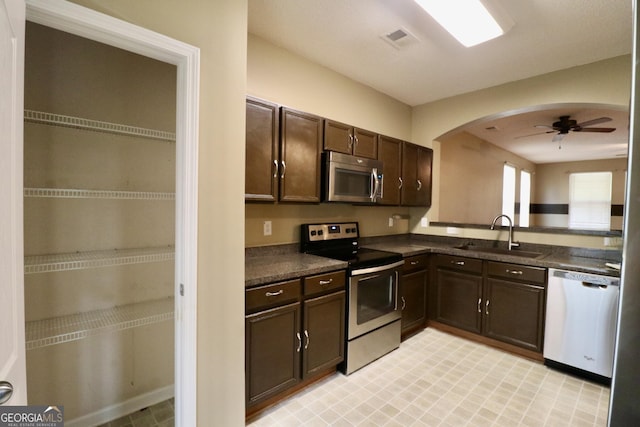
(94, 259)
(42, 117)
(71, 193)
(58, 330)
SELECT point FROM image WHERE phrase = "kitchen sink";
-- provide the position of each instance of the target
(500, 251)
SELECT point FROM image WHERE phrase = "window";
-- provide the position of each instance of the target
(508, 193)
(590, 200)
(525, 198)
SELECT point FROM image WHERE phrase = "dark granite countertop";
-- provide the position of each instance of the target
(284, 262)
(262, 269)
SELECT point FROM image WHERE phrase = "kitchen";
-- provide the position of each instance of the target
(316, 92)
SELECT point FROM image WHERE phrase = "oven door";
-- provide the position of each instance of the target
(373, 298)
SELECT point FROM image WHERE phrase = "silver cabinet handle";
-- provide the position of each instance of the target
(415, 262)
(306, 335)
(284, 169)
(460, 263)
(355, 141)
(516, 272)
(404, 303)
(350, 143)
(419, 185)
(325, 282)
(299, 342)
(479, 302)
(275, 168)
(400, 186)
(274, 294)
(486, 307)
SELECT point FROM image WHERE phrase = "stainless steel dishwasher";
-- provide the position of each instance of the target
(581, 318)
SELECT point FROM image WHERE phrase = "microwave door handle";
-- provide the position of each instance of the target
(375, 184)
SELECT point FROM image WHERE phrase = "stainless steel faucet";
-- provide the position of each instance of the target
(512, 244)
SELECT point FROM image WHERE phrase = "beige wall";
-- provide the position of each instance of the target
(606, 82)
(473, 183)
(552, 181)
(282, 77)
(219, 29)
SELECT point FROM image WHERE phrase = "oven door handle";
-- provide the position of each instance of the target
(376, 269)
(397, 288)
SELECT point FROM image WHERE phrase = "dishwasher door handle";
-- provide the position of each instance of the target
(593, 285)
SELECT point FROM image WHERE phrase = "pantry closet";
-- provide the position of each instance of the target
(99, 225)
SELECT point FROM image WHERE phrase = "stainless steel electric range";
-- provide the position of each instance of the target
(373, 312)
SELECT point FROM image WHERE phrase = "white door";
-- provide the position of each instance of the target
(12, 349)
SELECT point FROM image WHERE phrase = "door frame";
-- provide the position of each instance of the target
(87, 23)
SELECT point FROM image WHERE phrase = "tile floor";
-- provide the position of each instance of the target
(159, 415)
(435, 379)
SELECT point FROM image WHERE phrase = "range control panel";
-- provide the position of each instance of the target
(321, 232)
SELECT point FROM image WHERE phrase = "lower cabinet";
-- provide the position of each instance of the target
(498, 300)
(294, 331)
(413, 292)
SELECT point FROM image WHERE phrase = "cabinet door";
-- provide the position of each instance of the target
(423, 171)
(338, 137)
(413, 288)
(409, 191)
(323, 333)
(514, 313)
(272, 344)
(365, 143)
(390, 152)
(458, 299)
(261, 176)
(301, 147)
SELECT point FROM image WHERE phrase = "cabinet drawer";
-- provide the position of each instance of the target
(272, 295)
(458, 263)
(324, 282)
(415, 263)
(517, 272)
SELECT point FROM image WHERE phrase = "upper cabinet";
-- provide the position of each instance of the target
(416, 175)
(300, 156)
(283, 154)
(262, 159)
(390, 152)
(350, 140)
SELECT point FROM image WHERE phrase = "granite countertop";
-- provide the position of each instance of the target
(284, 262)
(262, 269)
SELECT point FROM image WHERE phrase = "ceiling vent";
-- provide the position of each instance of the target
(400, 38)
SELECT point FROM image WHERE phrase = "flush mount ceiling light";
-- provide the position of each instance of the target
(468, 21)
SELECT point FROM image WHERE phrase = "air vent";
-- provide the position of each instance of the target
(399, 38)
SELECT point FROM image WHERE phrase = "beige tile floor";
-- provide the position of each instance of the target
(435, 379)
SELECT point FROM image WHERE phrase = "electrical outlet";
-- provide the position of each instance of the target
(390, 221)
(453, 230)
(424, 222)
(266, 228)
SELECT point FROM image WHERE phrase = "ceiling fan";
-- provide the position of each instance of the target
(565, 124)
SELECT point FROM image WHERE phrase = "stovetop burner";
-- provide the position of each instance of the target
(340, 241)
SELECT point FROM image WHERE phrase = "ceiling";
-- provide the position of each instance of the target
(349, 37)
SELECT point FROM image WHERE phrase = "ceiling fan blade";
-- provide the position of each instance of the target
(559, 137)
(601, 130)
(534, 134)
(594, 122)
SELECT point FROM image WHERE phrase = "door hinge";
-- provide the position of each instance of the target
(181, 290)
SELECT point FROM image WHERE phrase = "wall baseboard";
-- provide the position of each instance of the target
(121, 409)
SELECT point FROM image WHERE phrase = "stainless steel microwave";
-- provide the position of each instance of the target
(352, 179)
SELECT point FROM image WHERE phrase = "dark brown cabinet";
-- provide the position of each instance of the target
(390, 153)
(347, 139)
(294, 331)
(416, 175)
(459, 292)
(413, 291)
(514, 304)
(262, 158)
(501, 301)
(300, 156)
